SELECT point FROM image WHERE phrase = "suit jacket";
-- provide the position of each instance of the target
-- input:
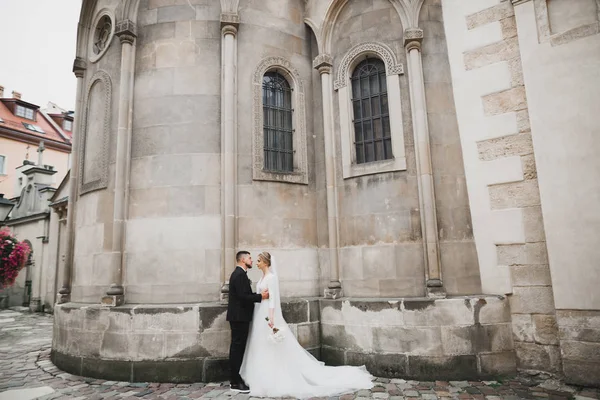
(241, 298)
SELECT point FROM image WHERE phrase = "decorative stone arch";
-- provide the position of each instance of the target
(285, 68)
(99, 78)
(357, 54)
(393, 69)
(408, 11)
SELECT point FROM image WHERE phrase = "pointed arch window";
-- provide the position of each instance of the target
(372, 134)
(277, 123)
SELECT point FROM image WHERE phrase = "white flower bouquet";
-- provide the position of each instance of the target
(275, 335)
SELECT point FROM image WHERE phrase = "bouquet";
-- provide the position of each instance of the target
(276, 335)
(13, 255)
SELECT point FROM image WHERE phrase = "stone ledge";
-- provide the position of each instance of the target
(190, 342)
(422, 367)
(205, 369)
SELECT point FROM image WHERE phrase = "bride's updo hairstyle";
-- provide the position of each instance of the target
(266, 257)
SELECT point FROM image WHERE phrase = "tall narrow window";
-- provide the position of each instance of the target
(2, 165)
(277, 124)
(372, 135)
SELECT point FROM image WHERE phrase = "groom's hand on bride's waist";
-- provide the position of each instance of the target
(265, 294)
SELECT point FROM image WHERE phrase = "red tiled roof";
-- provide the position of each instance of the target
(15, 123)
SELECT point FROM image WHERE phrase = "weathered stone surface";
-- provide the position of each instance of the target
(309, 335)
(493, 53)
(492, 310)
(576, 350)
(532, 300)
(538, 357)
(506, 101)
(523, 254)
(530, 275)
(545, 329)
(513, 195)
(458, 367)
(509, 28)
(295, 312)
(492, 14)
(522, 327)
(384, 365)
(581, 372)
(498, 364)
(506, 146)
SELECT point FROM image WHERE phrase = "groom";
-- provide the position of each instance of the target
(239, 315)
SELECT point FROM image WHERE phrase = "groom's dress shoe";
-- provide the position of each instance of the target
(240, 388)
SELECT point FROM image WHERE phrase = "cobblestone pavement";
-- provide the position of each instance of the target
(26, 373)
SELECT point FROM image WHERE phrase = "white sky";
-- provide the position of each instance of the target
(37, 49)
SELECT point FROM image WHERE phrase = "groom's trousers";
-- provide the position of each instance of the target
(239, 337)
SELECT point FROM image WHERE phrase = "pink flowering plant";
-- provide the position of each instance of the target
(13, 255)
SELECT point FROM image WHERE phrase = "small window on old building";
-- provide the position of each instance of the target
(24, 112)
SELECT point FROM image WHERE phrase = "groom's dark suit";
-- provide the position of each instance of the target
(239, 315)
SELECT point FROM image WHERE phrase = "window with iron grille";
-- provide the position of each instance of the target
(372, 135)
(277, 123)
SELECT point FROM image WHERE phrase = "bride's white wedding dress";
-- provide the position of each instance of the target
(285, 369)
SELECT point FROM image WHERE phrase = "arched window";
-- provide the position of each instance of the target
(372, 135)
(277, 124)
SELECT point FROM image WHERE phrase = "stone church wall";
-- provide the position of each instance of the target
(273, 214)
(460, 269)
(98, 135)
(380, 229)
(174, 227)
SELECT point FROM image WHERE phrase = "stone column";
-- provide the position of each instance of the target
(412, 41)
(64, 293)
(323, 63)
(125, 30)
(229, 24)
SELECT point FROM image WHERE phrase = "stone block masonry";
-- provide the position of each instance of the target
(506, 154)
(532, 301)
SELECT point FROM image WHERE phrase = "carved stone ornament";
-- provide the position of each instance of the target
(101, 182)
(323, 63)
(392, 67)
(300, 174)
(230, 19)
(413, 34)
(79, 67)
(126, 31)
(101, 34)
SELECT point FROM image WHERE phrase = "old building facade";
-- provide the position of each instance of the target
(23, 126)
(423, 170)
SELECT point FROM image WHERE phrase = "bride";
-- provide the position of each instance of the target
(275, 365)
